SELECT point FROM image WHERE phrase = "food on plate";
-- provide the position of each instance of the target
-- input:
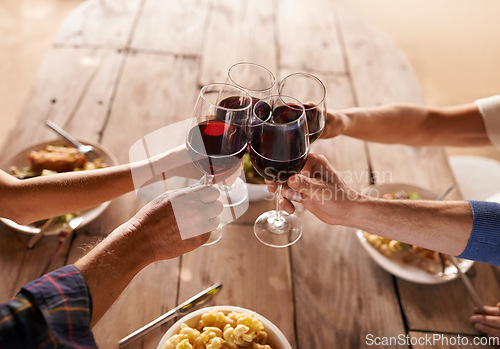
(216, 330)
(55, 158)
(252, 175)
(431, 261)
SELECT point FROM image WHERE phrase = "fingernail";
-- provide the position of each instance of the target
(475, 318)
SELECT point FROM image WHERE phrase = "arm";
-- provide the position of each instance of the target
(29, 200)
(443, 226)
(56, 308)
(153, 234)
(411, 124)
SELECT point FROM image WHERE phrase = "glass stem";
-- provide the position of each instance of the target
(278, 208)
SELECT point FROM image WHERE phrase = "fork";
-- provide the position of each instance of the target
(66, 231)
(87, 150)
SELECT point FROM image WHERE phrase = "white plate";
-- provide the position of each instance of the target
(276, 338)
(398, 268)
(19, 160)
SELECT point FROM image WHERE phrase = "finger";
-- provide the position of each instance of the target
(287, 206)
(292, 195)
(271, 186)
(212, 224)
(488, 320)
(214, 209)
(302, 184)
(490, 331)
(208, 194)
(488, 310)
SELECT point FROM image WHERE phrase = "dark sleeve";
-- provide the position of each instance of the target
(484, 241)
(52, 311)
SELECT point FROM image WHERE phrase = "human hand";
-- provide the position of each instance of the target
(487, 322)
(319, 188)
(176, 223)
(335, 124)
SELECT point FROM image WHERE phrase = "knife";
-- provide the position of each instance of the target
(184, 308)
(472, 291)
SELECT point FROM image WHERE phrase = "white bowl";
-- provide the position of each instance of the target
(398, 268)
(276, 339)
(20, 160)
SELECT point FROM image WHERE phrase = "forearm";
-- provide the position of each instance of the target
(441, 226)
(417, 125)
(110, 267)
(29, 200)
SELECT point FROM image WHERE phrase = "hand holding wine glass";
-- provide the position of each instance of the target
(278, 145)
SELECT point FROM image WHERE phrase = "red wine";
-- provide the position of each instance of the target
(216, 147)
(234, 115)
(314, 123)
(277, 151)
(274, 170)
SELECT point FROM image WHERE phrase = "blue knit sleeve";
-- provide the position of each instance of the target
(484, 241)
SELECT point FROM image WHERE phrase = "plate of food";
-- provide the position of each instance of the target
(406, 261)
(257, 189)
(224, 327)
(49, 157)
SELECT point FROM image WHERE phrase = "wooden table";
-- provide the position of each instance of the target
(120, 69)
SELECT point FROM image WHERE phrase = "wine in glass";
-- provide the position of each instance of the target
(278, 145)
(308, 89)
(258, 82)
(217, 137)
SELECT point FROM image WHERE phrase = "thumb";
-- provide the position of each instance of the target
(303, 185)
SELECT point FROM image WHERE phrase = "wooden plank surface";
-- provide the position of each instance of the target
(425, 307)
(333, 277)
(254, 276)
(121, 70)
(100, 23)
(436, 340)
(307, 36)
(175, 27)
(238, 31)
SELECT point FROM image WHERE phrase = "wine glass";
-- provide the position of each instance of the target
(308, 89)
(258, 82)
(217, 140)
(278, 145)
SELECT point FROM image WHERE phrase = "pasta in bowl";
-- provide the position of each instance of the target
(406, 261)
(223, 327)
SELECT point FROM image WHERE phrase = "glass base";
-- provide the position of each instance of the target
(282, 233)
(215, 236)
(235, 194)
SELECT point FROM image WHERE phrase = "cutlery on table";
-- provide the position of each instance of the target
(66, 231)
(468, 284)
(87, 150)
(199, 299)
(35, 238)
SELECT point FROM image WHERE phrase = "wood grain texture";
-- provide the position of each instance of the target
(426, 307)
(307, 36)
(238, 31)
(175, 27)
(100, 23)
(254, 276)
(120, 71)
(438, 340)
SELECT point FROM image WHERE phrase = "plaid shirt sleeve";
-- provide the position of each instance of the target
(52, 311)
